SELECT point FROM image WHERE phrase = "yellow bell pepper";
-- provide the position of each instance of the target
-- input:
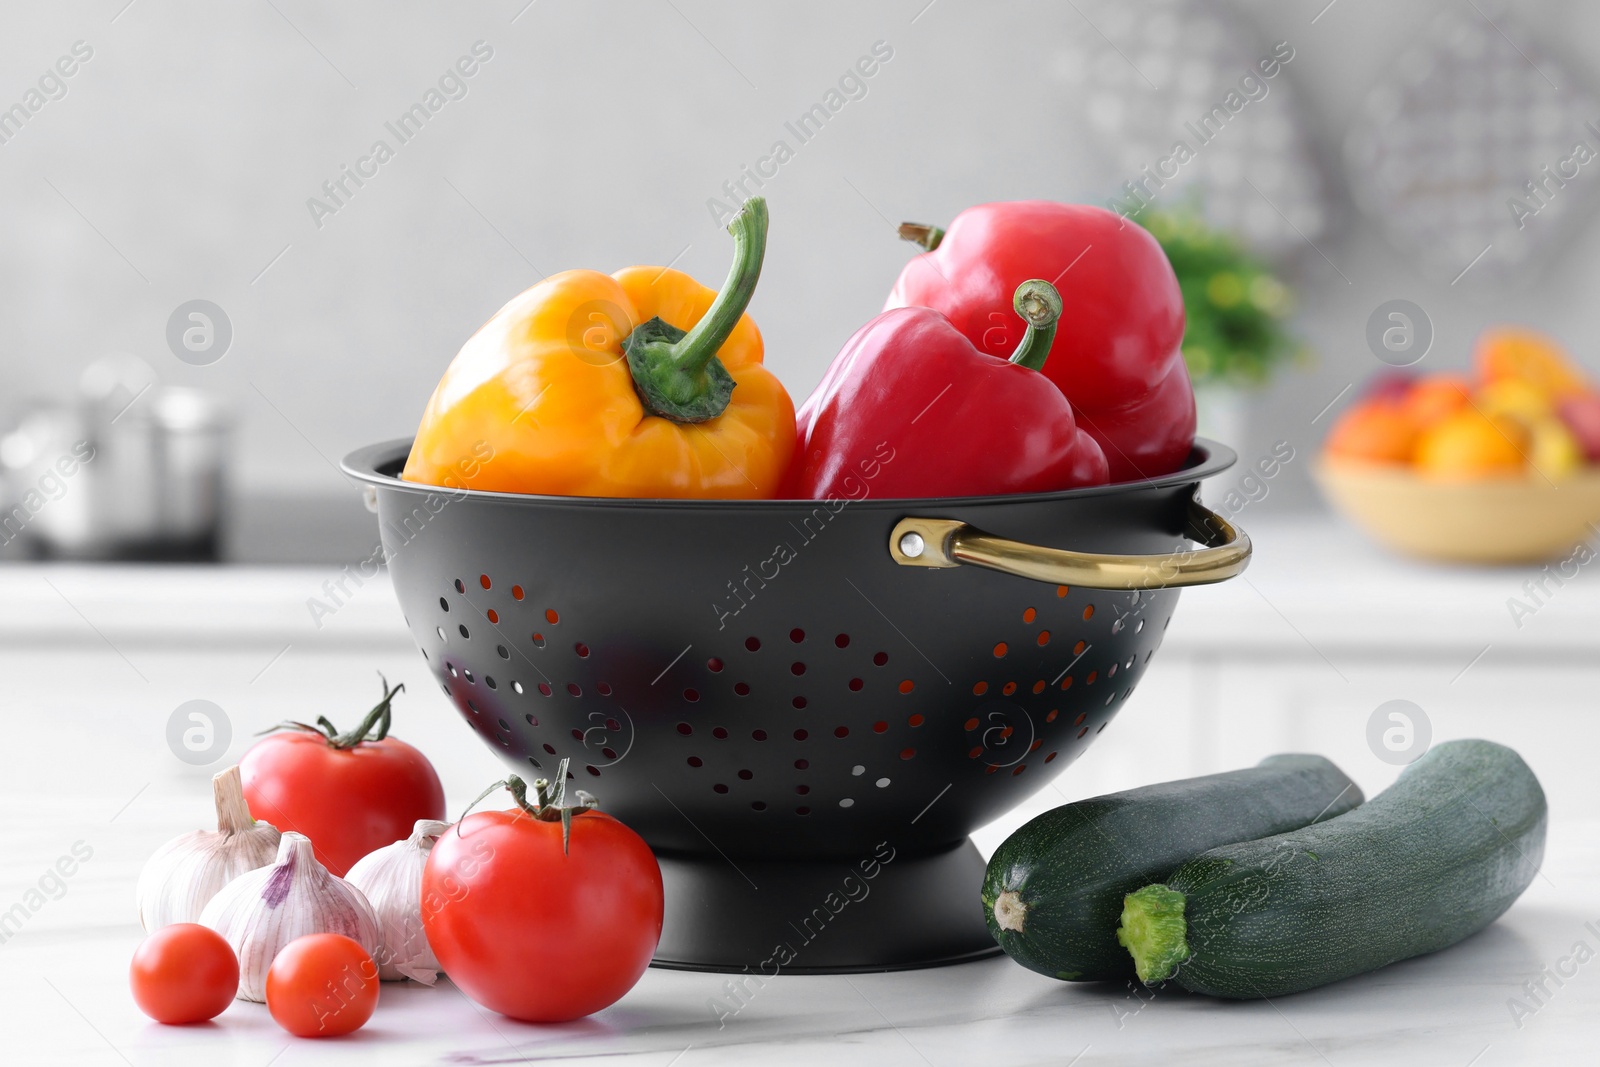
(642, 383)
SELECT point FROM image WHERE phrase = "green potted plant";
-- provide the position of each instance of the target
(1237, 335)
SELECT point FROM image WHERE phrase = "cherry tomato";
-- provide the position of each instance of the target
(349, 793)
(184, 973)
(322, 985)
(536, 934)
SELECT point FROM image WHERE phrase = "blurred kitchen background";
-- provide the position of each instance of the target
(170, 292)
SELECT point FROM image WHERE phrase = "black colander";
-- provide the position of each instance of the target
(804, 707)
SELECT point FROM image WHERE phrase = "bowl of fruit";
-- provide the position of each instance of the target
(1499, 465)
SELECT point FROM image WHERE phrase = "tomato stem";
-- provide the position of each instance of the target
(375, 727)
(544, 808)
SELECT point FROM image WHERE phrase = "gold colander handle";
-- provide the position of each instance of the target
(950, 543)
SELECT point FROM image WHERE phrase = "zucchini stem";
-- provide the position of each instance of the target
(1010, 911)
(1153, 931)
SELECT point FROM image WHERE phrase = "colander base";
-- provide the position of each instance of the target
(823, 916)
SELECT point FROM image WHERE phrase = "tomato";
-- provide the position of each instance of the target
(535, 933)
(349, 793)
(322, 985)
(184, 973)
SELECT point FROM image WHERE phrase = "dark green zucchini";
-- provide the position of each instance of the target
(1054, 889)
(1434, 858)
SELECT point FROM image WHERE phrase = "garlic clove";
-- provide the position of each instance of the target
(186, 872)
(261, 911)
(391, 880)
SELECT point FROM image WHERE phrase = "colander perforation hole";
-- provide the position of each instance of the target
(463, 629)
(798, 702)
(980, 688)
(882, 783)
(1028, 615)
(461, 586)
(534, 763)
(801, 764)
(452, 669)
(581, 649)
(758, 735)
(915, 720)
(907, 685)
(1051, 717)
(1103, 726)
(846, 803)
(841, 732)
(483, 580)
(1088, 612)
(532, 720)
(720, 733)
(1038, 687)
(719, 788)
(516, 687)
(856, 685)
(802, 789)
(575, 689)
(1043, 638)
(516, 592)
(742, 689)
(797, 668)
(444, 605)
(880, 659)
(446, 688)
(465, 673)
(603, 688)
(878, 727)
(685, 729)
(424, 652)
(758, 805)
(1050, 757)
(714, 665)
(802, 810)
(691, 695)
(1092, 676)
(1000, 650)
(752, 644)
(841, 640)
(502, 651)
(1009, 688)
(550, 750)
(1018, 769)
(797, 635)
(801, 735)
(503, 724)
(858, 770)
(493, 616)
(1083, 732)
(908, 753)
(544, 689)
(440, 631)
(537, 639)
(489, 681)
(592, 769)
(696, 761)
(746, 775)
(551, 616)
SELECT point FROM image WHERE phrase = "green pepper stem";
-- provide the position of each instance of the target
(922, 233)
(749, 229)
(678, 375)
(1153, 930)
(1039, 305)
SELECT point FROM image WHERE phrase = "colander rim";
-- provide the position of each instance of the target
(372, 464)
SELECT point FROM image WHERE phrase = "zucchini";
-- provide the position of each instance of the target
(1054, 889)
(1434, 858)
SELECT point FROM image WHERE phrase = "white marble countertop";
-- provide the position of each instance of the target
(94, 660)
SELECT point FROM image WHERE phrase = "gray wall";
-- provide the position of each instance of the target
(179, 162)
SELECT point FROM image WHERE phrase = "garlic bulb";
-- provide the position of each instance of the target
(260, 912)
(391, 879)
(186, 872)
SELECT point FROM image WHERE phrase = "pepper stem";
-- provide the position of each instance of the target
(922, 233)
(1153, 931)
(677, 374)
(1039, 305)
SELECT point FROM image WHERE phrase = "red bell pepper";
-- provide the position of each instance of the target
(909, 408)
(1117, 356)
